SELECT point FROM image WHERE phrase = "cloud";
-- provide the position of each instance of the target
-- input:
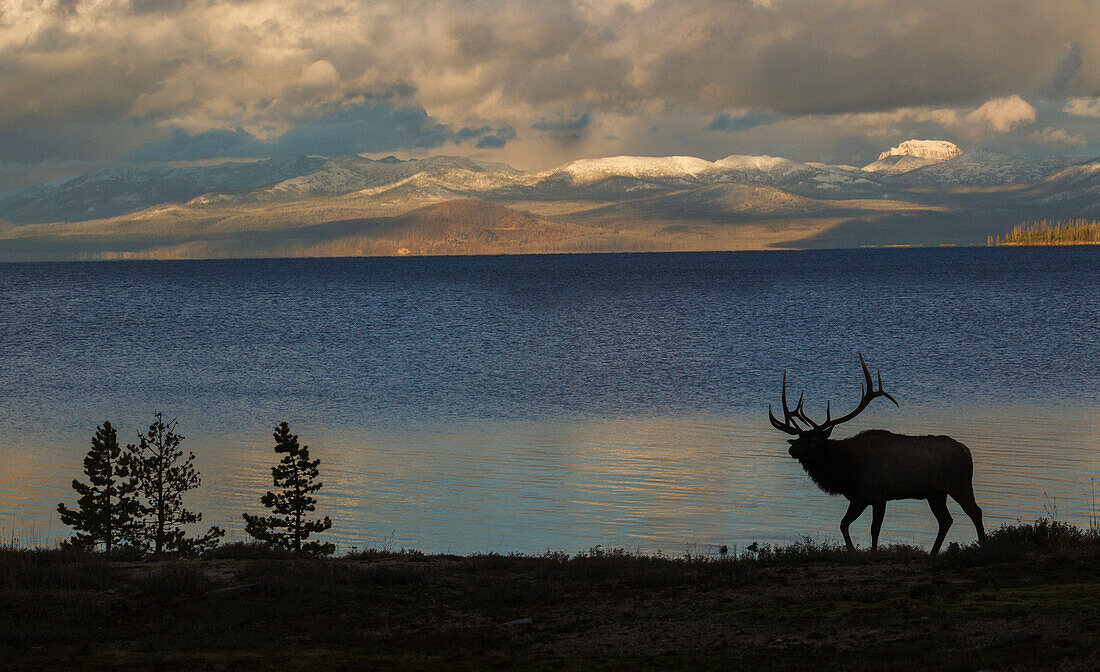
(88, 140)
(1067, 67)
(1004, 114)
(750, 119)
(353, 129)
(182, 146)
(1083, 107)
(497, 139)
(565, 129)
(267, 67)
(207, 62)
(1058, 136)
(364, 128)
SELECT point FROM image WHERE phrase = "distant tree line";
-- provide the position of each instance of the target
(1051, 232)
(132, 500)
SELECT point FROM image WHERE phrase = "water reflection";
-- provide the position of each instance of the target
(519, 403)
(665, 483)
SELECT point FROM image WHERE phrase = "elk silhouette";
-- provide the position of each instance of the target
(876, 466)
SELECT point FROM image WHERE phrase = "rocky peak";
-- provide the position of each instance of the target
(937, 150)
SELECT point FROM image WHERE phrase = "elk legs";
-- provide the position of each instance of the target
(938, 504)
(971, 508)
(878, 510)
(853, 512)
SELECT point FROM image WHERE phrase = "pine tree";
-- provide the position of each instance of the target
(107, 504)
(296, 477)
(162, 475)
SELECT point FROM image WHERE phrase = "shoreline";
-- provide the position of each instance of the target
(594, 253)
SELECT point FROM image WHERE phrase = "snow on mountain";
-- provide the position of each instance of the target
(763, 163)
(762, 168)
(982, 168)
(895, 164)
(753, 168)
(939, 150)
(1081, 174)
(913, 154)
(585, 171)
(821, 180)
(121, 189)
(1075, 188)
(348, 174)
(625, 176)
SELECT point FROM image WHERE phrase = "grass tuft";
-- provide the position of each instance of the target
(24, 569)
(175, 580)
(246, 550)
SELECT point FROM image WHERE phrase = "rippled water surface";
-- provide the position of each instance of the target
(526, 403)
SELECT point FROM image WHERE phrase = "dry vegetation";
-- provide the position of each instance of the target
(1052, 232)
(1027, 599)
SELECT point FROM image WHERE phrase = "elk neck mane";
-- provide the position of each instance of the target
(833, 469)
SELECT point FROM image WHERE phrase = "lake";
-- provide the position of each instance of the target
(471, 404)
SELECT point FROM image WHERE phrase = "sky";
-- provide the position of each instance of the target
(84, 83)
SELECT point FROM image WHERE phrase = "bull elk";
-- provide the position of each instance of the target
(876, 466)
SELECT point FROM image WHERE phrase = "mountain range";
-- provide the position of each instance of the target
(922, 192)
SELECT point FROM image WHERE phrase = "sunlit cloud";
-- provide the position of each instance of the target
(1004, 114)
(1083, 107)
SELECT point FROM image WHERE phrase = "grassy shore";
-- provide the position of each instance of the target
(1047, 232)
(1027, 599)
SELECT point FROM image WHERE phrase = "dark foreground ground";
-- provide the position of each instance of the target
(1028, 600)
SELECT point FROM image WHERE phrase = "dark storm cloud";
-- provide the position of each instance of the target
(357, 129)
(751, 119)
(183, 146)
(565, 129)
(496, 140)
(88, 140)
(475, 40)
(1068, 65)
(158, 6)
(837, 57)
(364, 128)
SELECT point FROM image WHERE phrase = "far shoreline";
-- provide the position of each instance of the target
(594, 253)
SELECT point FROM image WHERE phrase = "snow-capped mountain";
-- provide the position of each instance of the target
(981, 168)
(939, 150)
(118, 190)
(349, 174)
(915, 172)
(895, 164)
(749, 169)
(637, 176)
(733, 168)
(1074, 190)
(913, 154)
(587, 171)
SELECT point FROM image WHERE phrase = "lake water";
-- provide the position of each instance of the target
(523, 403)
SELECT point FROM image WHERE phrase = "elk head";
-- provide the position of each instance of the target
(811, 436)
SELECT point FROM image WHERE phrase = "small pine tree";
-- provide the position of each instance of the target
(296, 475)
(107, 504)
(162, 476)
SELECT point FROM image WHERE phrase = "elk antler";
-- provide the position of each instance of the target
(790, 418)
(868, 394)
